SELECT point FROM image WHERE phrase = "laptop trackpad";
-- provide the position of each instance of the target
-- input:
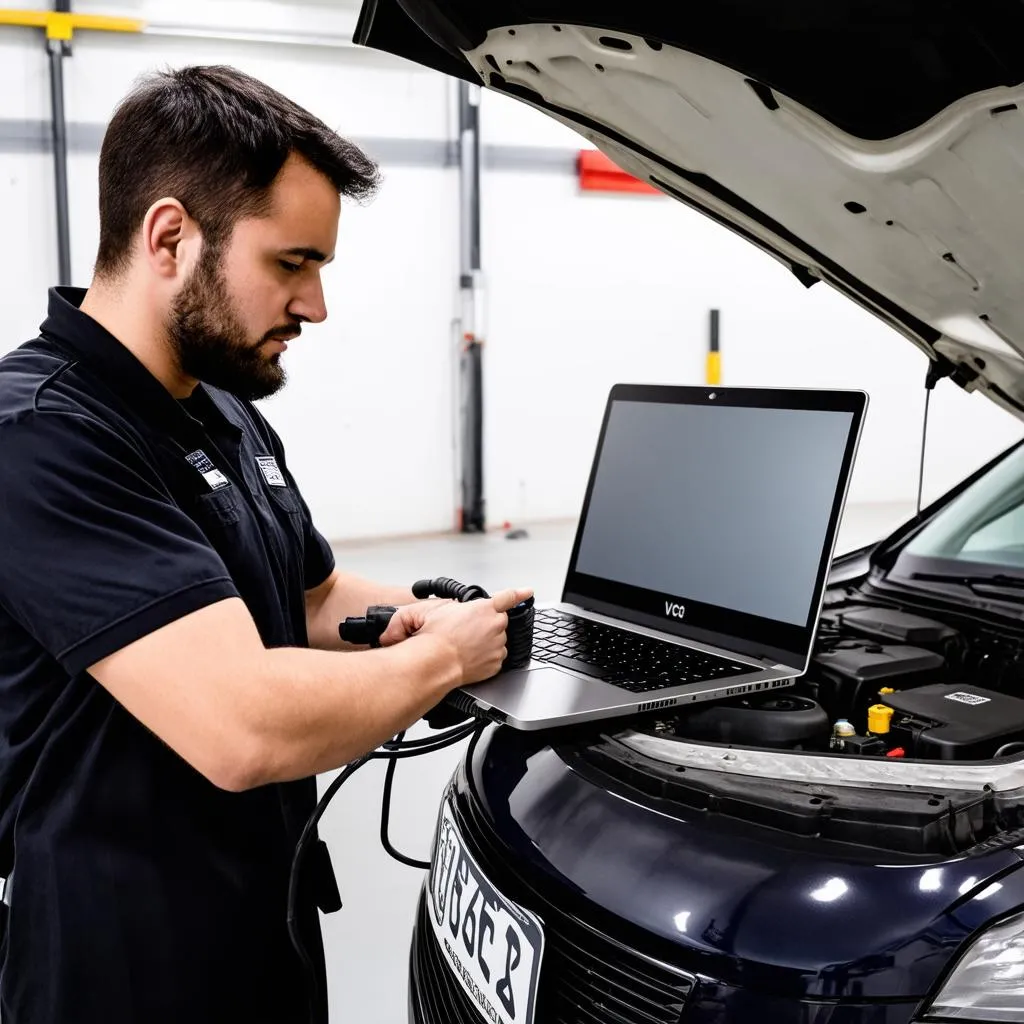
(545, 691)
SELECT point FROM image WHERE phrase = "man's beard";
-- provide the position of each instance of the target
(210, 341)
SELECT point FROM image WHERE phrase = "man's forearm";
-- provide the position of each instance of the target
(244, 715)
(331, 708)
(345, 596)
(359, 593)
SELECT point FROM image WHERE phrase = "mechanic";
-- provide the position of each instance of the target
(161, 712)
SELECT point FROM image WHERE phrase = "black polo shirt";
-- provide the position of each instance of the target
(140, 893)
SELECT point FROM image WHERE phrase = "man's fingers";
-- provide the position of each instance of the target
(395, 633)
(506, 599)
(406, 621)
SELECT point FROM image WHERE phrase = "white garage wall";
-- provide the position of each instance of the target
(582, 290)
(368, 414)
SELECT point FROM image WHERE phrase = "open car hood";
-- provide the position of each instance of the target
(877, 145)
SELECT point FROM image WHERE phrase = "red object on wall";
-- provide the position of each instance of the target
(599, 174)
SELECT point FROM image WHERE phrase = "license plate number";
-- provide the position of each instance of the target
(493, 946)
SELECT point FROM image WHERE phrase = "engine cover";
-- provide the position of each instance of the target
(954, 723)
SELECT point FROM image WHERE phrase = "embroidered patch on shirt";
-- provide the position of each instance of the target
(210, 473)
(271, 473)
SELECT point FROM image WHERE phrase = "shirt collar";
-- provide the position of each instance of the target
(119, 368)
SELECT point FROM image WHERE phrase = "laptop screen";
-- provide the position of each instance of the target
(717, 514)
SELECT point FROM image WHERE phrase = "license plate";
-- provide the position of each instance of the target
(493, 946)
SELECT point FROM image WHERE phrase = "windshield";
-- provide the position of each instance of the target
(981, 532)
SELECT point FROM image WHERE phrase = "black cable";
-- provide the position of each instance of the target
(1006, 748)
(455, 735)
(471, 749)
(392, 751)
(427, 745)
(456, 732)
(385, 816)
(446, 587)
(312, 981)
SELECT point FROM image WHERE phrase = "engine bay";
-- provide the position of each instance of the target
(884, 682)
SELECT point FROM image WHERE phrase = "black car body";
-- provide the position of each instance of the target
(726, 865)
(748, 862)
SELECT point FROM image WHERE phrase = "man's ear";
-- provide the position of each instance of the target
(169, 237)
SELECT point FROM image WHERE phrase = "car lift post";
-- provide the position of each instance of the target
(59, 26)
(471, 405)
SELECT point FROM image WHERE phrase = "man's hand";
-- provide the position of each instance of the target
(342, 595)
(402, 626)
(474, 629)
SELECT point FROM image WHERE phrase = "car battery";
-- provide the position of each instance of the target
(953, 723)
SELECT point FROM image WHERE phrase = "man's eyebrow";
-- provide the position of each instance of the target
(309, 254)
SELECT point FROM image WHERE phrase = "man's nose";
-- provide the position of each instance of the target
(309, 304)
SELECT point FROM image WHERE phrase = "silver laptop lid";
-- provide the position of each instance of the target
(712, 513)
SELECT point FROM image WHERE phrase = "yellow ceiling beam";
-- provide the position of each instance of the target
(61, 26)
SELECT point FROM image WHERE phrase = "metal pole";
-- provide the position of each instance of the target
(56, 49)
(472, 517)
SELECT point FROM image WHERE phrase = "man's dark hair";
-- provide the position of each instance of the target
(214, 139)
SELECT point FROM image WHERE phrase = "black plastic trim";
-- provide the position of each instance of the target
(918, 825)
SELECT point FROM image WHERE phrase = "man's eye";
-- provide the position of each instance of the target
(289, 266)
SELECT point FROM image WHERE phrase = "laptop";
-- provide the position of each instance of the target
(699, 564)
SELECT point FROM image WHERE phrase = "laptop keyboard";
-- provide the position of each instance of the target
(631, 661)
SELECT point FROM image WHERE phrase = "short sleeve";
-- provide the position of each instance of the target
(318, 558)
(96, 553)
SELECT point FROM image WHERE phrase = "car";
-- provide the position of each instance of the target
(849, 850)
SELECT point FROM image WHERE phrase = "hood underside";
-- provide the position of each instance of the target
(877, 146)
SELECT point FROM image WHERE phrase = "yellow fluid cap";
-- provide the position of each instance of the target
(878, 718)
(885, 690)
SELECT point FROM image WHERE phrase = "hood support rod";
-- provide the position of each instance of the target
(938, 368)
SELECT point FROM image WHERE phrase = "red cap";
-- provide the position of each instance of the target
(897, 752)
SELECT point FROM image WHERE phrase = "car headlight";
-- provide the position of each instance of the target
(988, 982)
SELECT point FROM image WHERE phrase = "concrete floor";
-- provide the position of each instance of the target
(367, 942)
